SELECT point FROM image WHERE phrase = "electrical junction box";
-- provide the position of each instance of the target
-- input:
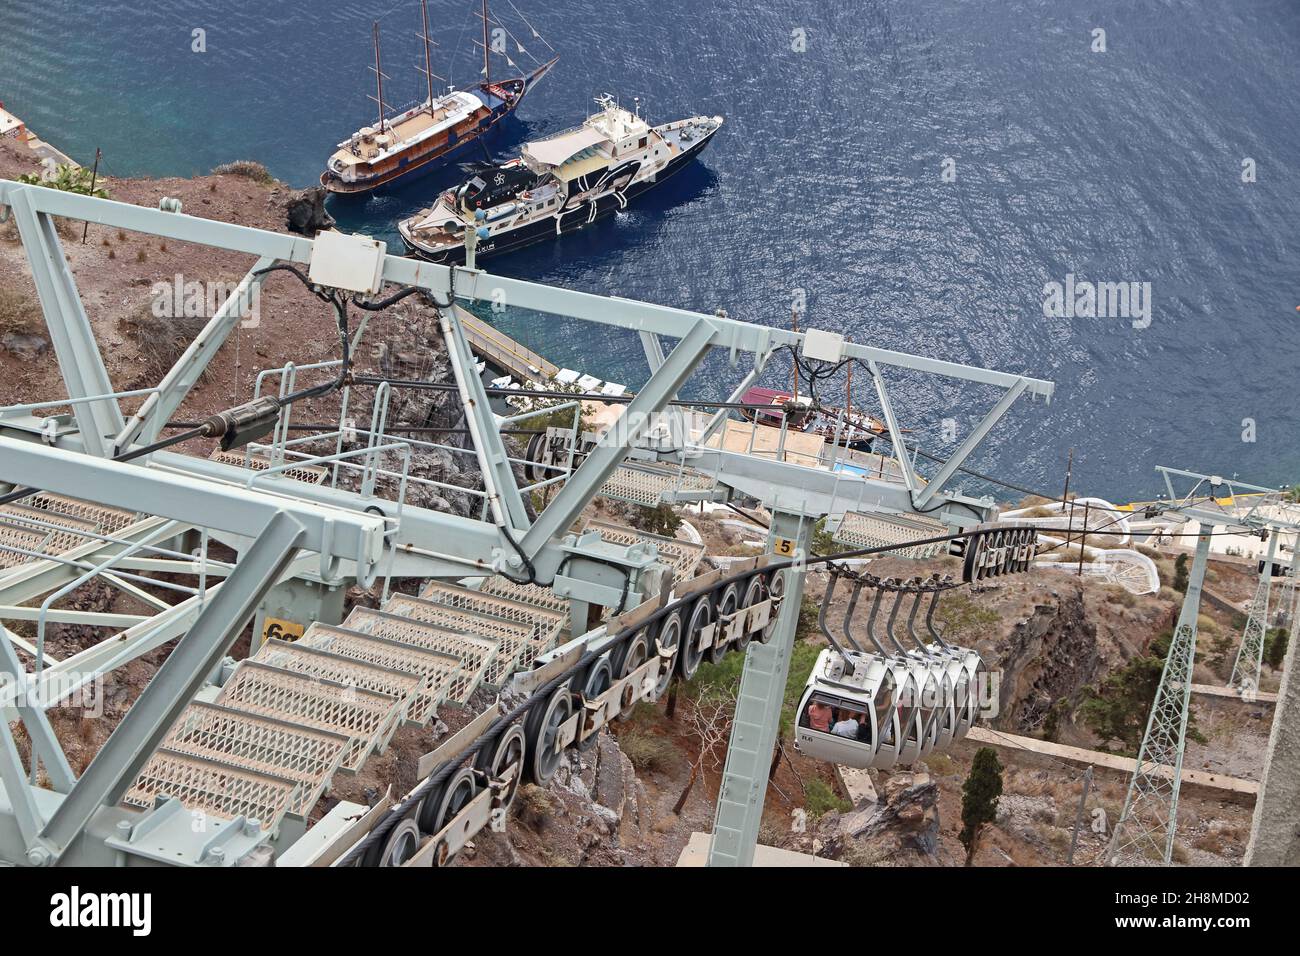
(823, 346)
(353, 263)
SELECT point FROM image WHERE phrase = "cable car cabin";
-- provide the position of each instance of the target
(974, 666)
(902, 731)
(847, 700)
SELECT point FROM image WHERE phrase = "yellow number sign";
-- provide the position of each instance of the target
(278, 629)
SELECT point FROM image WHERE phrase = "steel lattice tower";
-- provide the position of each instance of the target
(1145, 831)
(1250, 655)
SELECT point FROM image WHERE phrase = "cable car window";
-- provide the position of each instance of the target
(830, 715)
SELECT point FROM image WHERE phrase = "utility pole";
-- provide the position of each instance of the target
(1078, 814)
(1286, 604)
(1146, 827)
(1250, 655)
(94, 181)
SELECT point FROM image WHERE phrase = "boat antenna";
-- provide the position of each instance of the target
(428, 63)
(794, 366)
(379, 79)
(487, 59)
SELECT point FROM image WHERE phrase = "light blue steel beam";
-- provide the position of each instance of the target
(477, 285)
(74, 343)
(146, 423)
(185, 670)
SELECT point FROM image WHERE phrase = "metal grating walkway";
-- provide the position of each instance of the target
(261, 744)
(366, 717)
(860, 530)
(348, 671)
(646, 485)
(208, 786)
(682, 556)
(75, 524)
(311, 474)
(437, 670)
(546, 623)
(475, 654)
(527, 593)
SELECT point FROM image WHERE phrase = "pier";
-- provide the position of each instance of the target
(500, 350)
(11, 127)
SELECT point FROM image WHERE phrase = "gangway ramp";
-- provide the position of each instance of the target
(495, 347)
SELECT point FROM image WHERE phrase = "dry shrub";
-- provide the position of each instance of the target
(160, 341)
(648, 752)
(533, 805)
(246, 168)
(20, 314)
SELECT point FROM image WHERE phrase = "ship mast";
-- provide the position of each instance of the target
(379, 79)
(487, 60)
(428, 63)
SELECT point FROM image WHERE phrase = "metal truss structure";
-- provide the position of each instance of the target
(1145, 831)
(104, 502)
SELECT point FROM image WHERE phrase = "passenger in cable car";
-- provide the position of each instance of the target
(819, 716)
(847, 725)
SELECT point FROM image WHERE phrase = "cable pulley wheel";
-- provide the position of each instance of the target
(691, 655)
(629, 656)
(542, 730)
(508, 752)
(728, 603)
(669, 638)
(399, 846)
(598, 679)
(774, 589)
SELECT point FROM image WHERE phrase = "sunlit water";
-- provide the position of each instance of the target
(1123, 165)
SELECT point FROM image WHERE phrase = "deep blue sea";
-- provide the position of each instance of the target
(1122, 165)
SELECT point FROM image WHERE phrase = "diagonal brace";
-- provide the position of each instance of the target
(613, 447)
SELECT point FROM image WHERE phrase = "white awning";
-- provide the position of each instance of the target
(554, 151)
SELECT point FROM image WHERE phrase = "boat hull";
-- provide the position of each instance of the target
(566, 222)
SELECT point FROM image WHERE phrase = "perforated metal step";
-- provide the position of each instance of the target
(436, 669)
(263, 744)
(533, 594)
(682, 556)
(860, 530)
(105, 519)
(52, 524)
(348, 671)
(515, 639)
(475, 654)
(546, 623)
(218, 789)
(647, 485)
(311, 474)
(366, 717)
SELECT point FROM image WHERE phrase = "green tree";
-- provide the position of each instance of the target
(1118, 709)
(661, 520)
(1275, 645)
(979, 798)
(1180, 573)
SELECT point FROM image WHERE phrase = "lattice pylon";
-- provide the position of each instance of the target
(1144, 833)
(1286, 604)
(1250, 655)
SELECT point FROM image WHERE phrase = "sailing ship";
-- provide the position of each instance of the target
(425, 136)
(557, 184)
